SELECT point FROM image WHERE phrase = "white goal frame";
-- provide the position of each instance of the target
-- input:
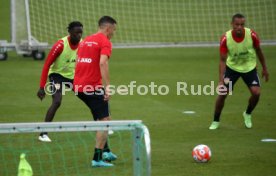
(148, 17)
(136, 126)
(27, 45)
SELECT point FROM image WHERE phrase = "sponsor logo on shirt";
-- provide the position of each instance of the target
(85, 60)
(89, 44)
(68, 60)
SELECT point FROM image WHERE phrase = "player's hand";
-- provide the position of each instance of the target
(220, 83)
(222, 88)
(41, 94)
(265, 75)
(107, 95)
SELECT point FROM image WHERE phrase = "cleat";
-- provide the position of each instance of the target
(100, 163)
(214, 125)
(44, 138)
(109, 156)
(247, 120)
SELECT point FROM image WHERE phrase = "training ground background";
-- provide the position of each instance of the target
(235, 149)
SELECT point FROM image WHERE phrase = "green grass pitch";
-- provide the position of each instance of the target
(236, 151)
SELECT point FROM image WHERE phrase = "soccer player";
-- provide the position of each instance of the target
(60, 67)
(239, 49)
(91, 83)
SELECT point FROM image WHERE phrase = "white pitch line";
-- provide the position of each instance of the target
(188, 112)
(268, 140)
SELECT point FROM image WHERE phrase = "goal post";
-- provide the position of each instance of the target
(154, 23)
(141, 149)
(22, 40)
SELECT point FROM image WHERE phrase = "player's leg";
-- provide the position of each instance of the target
(100, 111)
(102, 143)
(218, 108)
(230, 78)
(58, 82)
(254, 99)
(56, 101)
(56, 91)
(252, 81)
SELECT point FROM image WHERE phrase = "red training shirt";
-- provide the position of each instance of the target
(87, 73)
(52, 56)
(223, 45)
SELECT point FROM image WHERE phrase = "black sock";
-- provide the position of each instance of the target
(253, 101)
(106, 147)
(249, 109)
(216, 117)
(98, 154)
(42, 133)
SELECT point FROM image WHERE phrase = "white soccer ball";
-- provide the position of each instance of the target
(201, 153)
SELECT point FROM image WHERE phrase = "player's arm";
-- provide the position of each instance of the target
(260, 55)
(222, 67)
(223, 57)
(52, 56)
(105, 75)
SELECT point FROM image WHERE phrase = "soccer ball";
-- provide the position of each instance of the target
(201, 153)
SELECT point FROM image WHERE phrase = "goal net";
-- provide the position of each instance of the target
(72, 148)
(153, 22)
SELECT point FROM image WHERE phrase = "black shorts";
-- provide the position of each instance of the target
(250, 78)
(95, 101)
(57, 82)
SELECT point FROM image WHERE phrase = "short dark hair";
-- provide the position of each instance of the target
(74, 24)
(237, 15)
(106, 19)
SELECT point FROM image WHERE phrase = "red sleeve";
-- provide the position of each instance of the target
(106, 48)
(52, 56)
(255, 38)
(223, 47)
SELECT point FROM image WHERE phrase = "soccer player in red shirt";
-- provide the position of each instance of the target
(239, 49)
(91, 83)
(60, 67)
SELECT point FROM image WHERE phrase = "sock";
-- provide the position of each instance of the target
(98, 154)
(42, 133)
(249, 109)
(106, 147)
(216, 117)
(253, 101)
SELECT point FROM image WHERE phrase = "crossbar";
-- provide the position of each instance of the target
(68, 126)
